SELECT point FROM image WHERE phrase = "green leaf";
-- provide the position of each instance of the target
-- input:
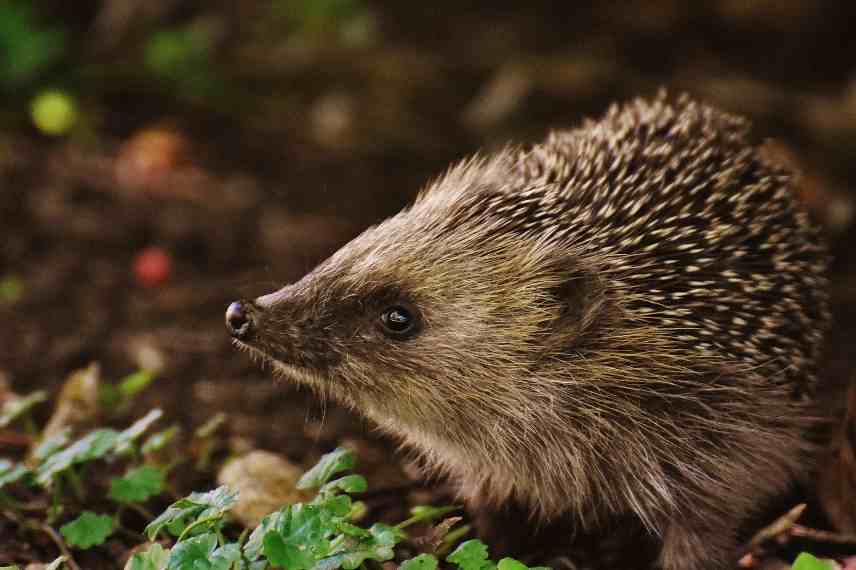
(806, 561)
(25, 49)
(193, 553)
(386, 535)
(137, 485)
(160, 439)
(253, 546)
(195, 507)
(284, 555)
(52, 444)
(358, 510)
(87, 530)
(133, 384)
(14, 409)
(309, 527)
(108, 397)
(321, 536)
(224, 557)
(378, 547)
(128, 436)
(155, 558)
(331, 463)
(295, 537)
(421, 562)
(347, 484)
(200, 553)
(352, 530)
(355, 559)
(338, 506)
(92, 446)
(118, 397)
(471, 555)
(11, 472)
(425, 513)
(511, 564)
(330, 563)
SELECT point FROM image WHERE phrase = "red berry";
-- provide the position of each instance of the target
(152, 267)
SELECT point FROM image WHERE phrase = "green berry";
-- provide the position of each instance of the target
(53, 112)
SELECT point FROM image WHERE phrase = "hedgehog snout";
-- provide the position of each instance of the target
(240, 319)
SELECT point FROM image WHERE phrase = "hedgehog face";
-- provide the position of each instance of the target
(412, 322)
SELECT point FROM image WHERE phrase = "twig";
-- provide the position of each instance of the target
(778, 527)
(57, 539)
(751, 553)
(437, 533)
(822, 535)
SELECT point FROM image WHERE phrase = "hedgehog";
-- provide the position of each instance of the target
(620, 323)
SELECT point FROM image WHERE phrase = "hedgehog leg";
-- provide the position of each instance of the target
(699, 544)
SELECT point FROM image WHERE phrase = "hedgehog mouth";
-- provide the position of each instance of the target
(288, 371)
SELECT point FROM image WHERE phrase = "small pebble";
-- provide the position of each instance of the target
(265, 482)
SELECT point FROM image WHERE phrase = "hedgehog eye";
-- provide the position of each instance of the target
(398, 321)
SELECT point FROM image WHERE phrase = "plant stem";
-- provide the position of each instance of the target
(197, 523)
(76, 484)
(431, 515)
(452, 538)
(55, 509)
(30, 426)
(57, 539)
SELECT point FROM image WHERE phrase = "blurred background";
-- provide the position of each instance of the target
(160, 158)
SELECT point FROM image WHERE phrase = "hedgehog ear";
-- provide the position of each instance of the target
(583, 303)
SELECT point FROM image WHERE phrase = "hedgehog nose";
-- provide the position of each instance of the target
(239, 322)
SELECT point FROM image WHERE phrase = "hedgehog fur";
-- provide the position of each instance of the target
(623, 320)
